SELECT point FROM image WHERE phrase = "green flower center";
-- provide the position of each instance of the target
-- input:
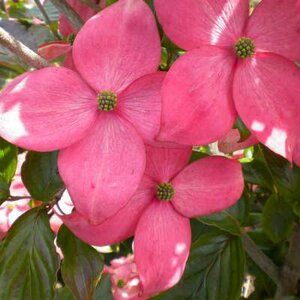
(121, 283)
(107, 100)
(165, 191)
(244, 48)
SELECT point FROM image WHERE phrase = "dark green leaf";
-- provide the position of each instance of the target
(28, 260)
(229, 220)
(40, 175)
(4, 190)
(82, 265)
(197, 155)
(8, 160)
(110, 2)
(243, 130)
(256, 172)
(103, 289)
(63, 294)
(223, 221)
(277, 219)
(215, 270)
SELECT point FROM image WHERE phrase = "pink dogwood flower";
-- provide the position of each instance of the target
(10, 211)
(170, 193)
(126, 284)
(101, 117)
(233, 62)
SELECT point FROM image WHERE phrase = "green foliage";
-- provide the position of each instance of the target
(81, 267)
(28, 261)
(243, 130)
(63, 294)
(215, 269)
(103, 289)
(40, 175)
(4, 190)
(8, 160)
(277, 219)
(230, 220)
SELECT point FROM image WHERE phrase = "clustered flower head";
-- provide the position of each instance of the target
(126, 284)
(125, 130)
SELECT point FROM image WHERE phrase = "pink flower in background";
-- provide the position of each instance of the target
(100, 118)
(10, 211)
(56, 49)
(126, 284)
(234, 62)
(84, 11)
(231, 142)
(170, 193)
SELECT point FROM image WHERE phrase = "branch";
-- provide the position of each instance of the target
(290, 272)
(90, 4)
(16, 198)
(262, 260)
(47, 19)
(69, 13)
(22, 51)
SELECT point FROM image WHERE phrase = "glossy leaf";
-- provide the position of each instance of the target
(4, 190)
(40, 175)
(103, 289)
(63, 294)
(243, 130)
(277, 219)
(229, 220)
(28, 260)
(8, 160)
(82, 265)
(256, 172)
(215, 270)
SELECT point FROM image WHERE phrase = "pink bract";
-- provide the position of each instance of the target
(103, 155)
(206, 85)
(161, 228)
(231, 142)
(10, 211)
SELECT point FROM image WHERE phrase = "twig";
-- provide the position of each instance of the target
(16, 198)
(90, 4)
(22, 51)
(69, 13)
(290, 272)
(47, 19)
(262, 260)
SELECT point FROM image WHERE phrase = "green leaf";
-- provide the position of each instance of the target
(215, 270)
(40, 175)
(256, 172)
(110, 2)
(63, 294)
(103, 289)
(8, 160)
(28, 260)
(243, 130)
(82, 265)
(277, 219)
(4, 190)
(229, 220)
(224, 221)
